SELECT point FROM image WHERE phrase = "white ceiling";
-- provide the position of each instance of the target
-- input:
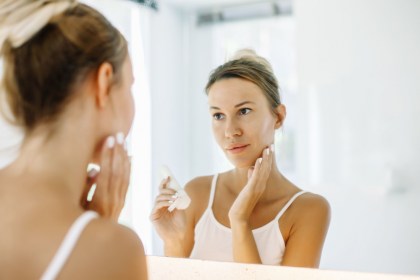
(205, 4)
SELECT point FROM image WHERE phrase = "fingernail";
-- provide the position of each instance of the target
(175, 195)
(120, 138)
(259, 160)
(267, 151)
(92, 173)
(170, 201)
(110, 142)
(272, 147)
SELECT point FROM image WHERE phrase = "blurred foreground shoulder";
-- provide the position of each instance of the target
(113, 252)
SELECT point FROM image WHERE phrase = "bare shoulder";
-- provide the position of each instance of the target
(306, 229)
(199, 191)
(199, 187)
(310, 206)
(107, 250)
(313, 201)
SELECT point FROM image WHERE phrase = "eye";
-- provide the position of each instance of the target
(218, 116)
(244, 111)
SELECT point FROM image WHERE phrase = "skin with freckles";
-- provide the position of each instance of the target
(250, 195)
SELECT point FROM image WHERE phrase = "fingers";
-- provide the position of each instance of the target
(262, 167)
(267, 158)
(156, 209)
(166, 197)
(113, 179)
(167, 191)
(250, 171)
(90, 181)
(104, 178)
(164, 183)
(120, 169)
(127, 172)
(162, 202)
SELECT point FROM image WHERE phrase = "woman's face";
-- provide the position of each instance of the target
(122, 98)
(243, 122)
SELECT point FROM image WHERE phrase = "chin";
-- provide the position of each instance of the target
(242, 163)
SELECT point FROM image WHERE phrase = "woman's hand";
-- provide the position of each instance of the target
(170, 226)
(257, 181)
(243, 243)
(111, 182)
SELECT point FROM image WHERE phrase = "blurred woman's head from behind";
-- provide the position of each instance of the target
(46, 72)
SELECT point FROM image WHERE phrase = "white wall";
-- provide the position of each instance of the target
(170, 104)
(356, 110)
(358, 70)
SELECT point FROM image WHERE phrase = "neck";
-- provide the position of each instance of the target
(56, 160)
(240, 178)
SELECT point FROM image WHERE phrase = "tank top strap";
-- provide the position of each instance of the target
(212, 190)
(68, 244)
(285, 207)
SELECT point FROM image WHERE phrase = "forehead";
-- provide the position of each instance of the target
(231, 91)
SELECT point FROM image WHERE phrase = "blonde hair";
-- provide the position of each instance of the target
(43, 65)
(246, 64)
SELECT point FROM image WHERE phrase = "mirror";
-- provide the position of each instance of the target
(349, 74)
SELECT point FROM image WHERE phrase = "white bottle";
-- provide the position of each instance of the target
(182, 201)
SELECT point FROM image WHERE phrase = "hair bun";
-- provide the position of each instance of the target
(20, 20)
(250, 54)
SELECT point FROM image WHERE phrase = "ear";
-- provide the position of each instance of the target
(103, 83)
(280, 113)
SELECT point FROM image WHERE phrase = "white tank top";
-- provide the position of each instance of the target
(213, 241)
(67, 246)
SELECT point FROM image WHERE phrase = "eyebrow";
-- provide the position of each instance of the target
(236, 106)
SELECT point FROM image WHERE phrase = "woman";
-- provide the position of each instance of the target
(252, 213)
(67, 79)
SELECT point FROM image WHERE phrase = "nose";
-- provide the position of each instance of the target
(232, 129)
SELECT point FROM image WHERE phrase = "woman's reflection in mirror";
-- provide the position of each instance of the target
(252, 213)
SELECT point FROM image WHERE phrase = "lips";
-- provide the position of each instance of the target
(236, 148)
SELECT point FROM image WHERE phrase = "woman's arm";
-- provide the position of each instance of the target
(244, 247)
(311, 217)
(176, 228)
(243, 242)
(182, 245)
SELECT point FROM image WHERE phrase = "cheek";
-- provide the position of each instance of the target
(129, 113)
(218, 132)
(124, 112)
(265, 131)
